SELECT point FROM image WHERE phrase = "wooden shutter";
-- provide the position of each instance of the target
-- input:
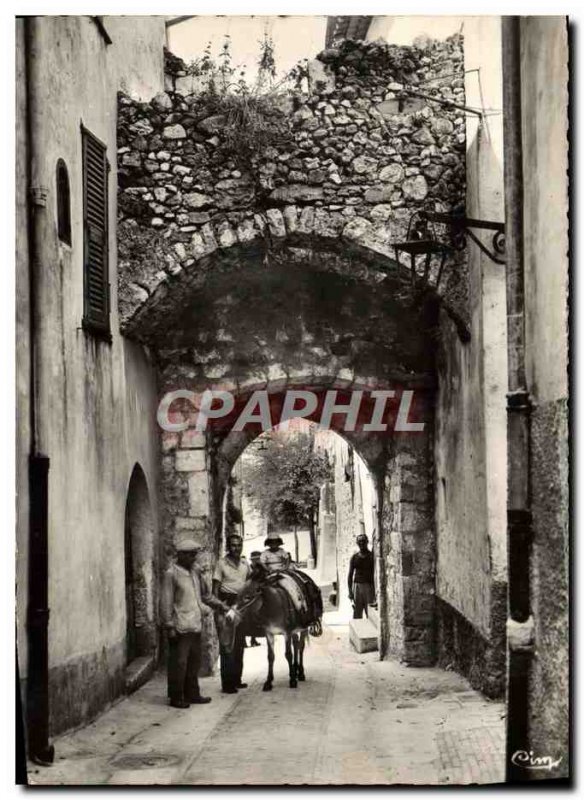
(95, 235)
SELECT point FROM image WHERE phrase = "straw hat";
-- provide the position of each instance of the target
(272, 538)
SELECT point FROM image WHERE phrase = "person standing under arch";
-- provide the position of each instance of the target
(361, 580)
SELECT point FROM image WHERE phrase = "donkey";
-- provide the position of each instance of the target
(264, 609)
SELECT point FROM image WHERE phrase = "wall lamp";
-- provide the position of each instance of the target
(461, 227)
(428, 253)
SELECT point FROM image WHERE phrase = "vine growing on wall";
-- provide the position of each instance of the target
(252, 117)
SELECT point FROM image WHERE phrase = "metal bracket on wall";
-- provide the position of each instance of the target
(461, 227)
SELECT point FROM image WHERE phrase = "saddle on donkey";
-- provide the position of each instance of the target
(303, 594)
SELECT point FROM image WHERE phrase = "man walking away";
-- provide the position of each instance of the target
(361, 581)
(182, 615)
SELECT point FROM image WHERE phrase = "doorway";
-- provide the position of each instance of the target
(139, 550)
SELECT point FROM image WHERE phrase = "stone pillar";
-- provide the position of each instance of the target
(409, 552)
(192, 465)
(186, 510)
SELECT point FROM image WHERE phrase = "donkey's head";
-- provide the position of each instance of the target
(249, 599)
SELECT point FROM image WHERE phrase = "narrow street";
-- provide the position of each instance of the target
(355, 720)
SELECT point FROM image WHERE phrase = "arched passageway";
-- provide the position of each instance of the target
(400, 467)
(343, 503)
(140, 572)
(320, 320)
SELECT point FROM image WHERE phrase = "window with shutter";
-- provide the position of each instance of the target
(95, 236)
(63, 203)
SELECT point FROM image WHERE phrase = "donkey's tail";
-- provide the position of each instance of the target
(315, 629)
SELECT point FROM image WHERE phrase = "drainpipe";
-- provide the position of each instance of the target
(39, 749)
(519, 522)
(379, 477)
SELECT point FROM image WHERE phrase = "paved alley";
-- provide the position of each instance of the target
(355, 720)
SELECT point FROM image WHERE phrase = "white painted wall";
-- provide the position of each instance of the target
(471, 441)
(98, 401)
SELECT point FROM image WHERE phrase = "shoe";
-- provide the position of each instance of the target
(200, 700)
(179, 703)
(241, 686)
(229, 690)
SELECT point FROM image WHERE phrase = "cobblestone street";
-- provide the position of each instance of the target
(355, 720)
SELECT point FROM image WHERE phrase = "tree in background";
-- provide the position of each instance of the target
(233, 518)
(283, 481)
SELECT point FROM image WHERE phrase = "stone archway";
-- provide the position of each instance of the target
(317, 319)
(140, 572)
(401, 469)
(286, 270)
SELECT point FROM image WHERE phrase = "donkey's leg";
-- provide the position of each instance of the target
(270, 679)
(303, 636)
(292, 641)
(290, 660)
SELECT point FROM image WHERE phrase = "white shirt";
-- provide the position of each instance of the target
(275, 560)
(231, 576)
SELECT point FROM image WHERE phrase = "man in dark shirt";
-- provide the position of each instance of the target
(361, 585)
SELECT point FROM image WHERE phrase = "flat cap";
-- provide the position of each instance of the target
(185, 545)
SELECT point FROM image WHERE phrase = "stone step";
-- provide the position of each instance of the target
(363, 635)
(373, 616)
(138, 672)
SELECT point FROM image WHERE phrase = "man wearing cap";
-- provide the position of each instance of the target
(361, 585)
(231, 574)
(182, 605)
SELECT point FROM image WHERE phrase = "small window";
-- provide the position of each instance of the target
(63, 203)
(95, 236)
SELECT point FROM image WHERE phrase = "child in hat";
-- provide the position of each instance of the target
(275, 558)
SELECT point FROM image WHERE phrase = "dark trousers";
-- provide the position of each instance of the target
(184, 663)
(232, 662)
(364, 594)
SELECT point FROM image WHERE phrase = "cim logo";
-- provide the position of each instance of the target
(526, 760)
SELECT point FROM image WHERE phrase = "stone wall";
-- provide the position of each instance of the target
(408, 550)
(279, 270)
(292, 327)
(544, 77)
(360, 155)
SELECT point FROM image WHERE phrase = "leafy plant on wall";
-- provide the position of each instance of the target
(252, 120)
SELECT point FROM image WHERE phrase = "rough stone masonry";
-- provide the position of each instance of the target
(360, 153)
(363, 154)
